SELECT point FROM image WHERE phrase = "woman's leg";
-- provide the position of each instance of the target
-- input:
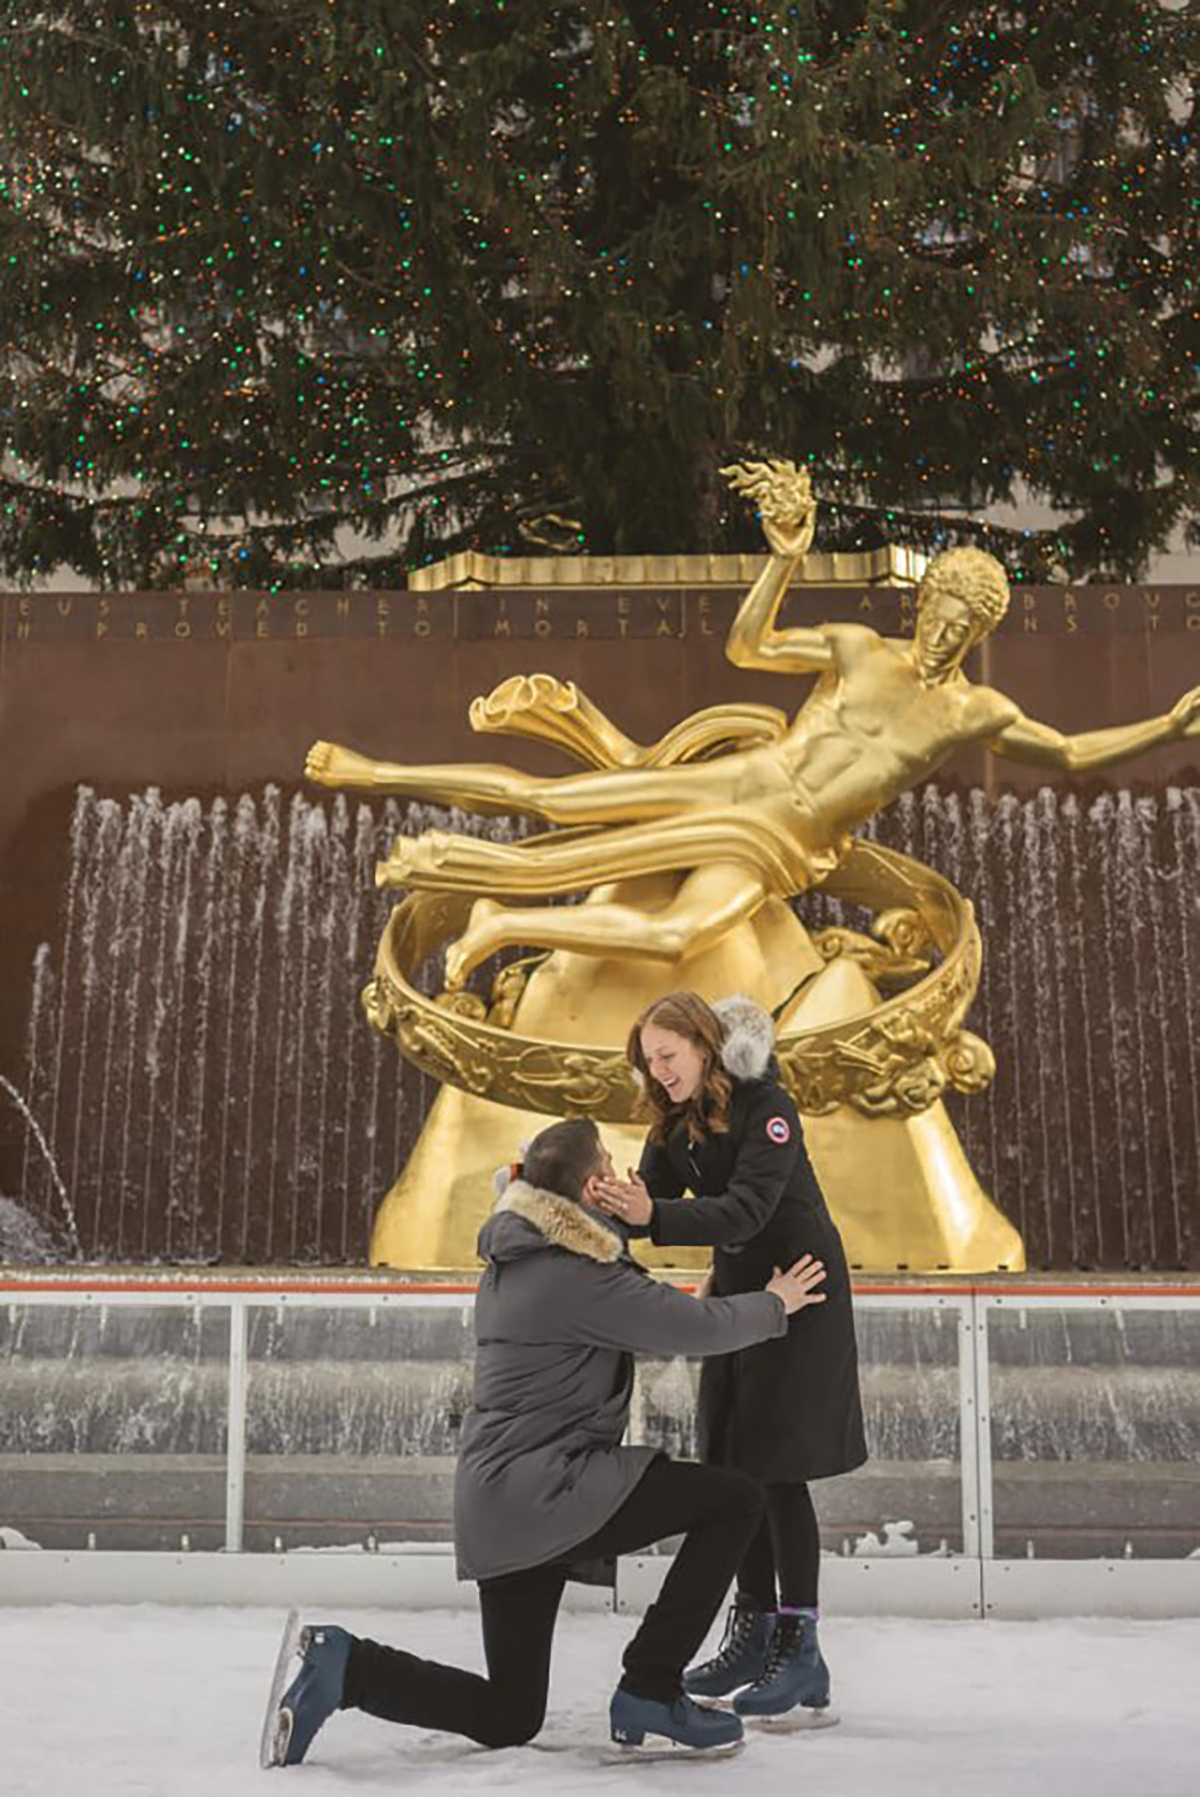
(795, 1680)
(782, 1565)
(756, 1574)
(796, 1545)
(504, 1709)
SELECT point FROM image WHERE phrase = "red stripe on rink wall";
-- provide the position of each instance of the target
(14, 1286)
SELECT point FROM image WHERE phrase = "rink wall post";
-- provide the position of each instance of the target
(977, 1430)
(235, 1428)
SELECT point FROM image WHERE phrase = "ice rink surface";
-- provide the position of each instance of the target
(116, 1702)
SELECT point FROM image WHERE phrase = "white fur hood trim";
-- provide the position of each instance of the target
(564, 1223)
(749, 1036)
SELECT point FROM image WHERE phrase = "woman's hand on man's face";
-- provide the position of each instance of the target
(626, 1199)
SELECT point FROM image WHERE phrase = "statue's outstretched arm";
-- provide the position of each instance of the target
(1026, 740)
(753, 640)
(788, 512)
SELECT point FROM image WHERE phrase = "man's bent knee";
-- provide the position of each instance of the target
(515, 1727)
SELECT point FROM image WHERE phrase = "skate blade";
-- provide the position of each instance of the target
(795, 1722)
(277, 1727)
(660, 1747)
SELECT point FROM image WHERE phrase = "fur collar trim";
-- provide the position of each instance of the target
(564, 1223)
(749, 1037)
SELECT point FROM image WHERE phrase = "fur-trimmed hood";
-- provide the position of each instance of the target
(524, 1213)
(749, 1045)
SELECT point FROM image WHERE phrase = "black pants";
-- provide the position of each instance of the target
(718, 1509)
(782, 1563)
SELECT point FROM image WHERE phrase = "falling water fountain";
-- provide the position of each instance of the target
(211, 1092)
(20, 1227)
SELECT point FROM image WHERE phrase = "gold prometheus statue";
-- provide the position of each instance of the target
(691, 846)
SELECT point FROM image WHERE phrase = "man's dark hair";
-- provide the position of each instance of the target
(561, 1159)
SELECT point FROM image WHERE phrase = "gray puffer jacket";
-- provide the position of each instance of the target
(561, 1309)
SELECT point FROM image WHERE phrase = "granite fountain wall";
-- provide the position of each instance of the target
(183, 931)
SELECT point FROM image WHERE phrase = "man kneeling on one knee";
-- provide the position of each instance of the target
(544, 1485)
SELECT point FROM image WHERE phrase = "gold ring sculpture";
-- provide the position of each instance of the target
(897, 1059)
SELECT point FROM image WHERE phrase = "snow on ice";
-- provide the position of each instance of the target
(167, 1702)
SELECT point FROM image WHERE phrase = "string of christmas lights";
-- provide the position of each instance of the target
(305, 294)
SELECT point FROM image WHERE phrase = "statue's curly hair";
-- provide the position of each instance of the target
(973, 576)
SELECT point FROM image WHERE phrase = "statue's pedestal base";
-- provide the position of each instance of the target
(434, 1212)
(916, 1170)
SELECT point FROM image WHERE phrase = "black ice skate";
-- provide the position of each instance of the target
(293, 1720)
(793, 1691)
(642, 1727)
(741, 1657)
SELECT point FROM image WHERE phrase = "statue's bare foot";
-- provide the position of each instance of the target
(328, 765)
(481, 938)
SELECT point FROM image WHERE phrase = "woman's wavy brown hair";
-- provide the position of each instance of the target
(687, 1015)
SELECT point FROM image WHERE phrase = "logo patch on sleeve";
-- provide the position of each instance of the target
(779, 1130)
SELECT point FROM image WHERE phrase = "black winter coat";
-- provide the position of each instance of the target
(788, 1409)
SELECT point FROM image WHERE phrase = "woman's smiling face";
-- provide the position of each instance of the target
(675, 1062)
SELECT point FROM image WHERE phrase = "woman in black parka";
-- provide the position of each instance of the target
(786, 1411)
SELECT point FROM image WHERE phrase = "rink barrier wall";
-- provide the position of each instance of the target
(970, 1583)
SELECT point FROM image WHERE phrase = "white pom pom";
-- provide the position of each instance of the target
(749, 1036)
